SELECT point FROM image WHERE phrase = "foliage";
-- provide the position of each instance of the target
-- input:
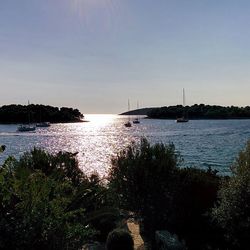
(233, 210)
(46, 202)
(38, 113)
(148, 182)
(119, 239)
(2, 148)
(197, 194)
(200, 111)
(144, 179)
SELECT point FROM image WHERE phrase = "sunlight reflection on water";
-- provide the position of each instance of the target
(201, 143)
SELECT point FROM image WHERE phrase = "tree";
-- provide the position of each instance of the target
(47, 202)
(144, 179)
(148, 181)
(233, 210)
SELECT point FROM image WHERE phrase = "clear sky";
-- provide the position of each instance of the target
(95, 54)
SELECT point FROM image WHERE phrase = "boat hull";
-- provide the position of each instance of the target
(24, 128)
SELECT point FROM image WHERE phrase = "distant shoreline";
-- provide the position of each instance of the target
(194, 119)
(17, 123)
(194, 112)
(37, 113)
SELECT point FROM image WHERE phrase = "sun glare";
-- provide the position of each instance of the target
(99, 119)
(85, 7)
(95, 13)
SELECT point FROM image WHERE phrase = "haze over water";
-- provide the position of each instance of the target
(202, 143)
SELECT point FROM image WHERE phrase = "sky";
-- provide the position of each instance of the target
(94, 55)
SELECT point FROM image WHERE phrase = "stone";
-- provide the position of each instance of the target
(167, 241)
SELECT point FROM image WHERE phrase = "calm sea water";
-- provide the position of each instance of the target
(201, 143)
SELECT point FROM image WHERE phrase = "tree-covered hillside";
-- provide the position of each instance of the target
(38, 113)
(201, 111)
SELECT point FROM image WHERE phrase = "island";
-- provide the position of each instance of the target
(141, 111)
(33, 113)
(196, 111)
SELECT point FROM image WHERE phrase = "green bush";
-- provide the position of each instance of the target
(147, 181)
(46, 202)
(196, 196)
(2, 148)
(119, 239)
(233, 210)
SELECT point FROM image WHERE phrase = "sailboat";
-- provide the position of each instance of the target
(136, 120)
(128, 124)
(26, 127)
(42, 124)
(184, 116)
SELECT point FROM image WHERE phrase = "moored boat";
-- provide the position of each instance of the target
(43, 124)
(128, 124)
(184, 117)
(136, 121)
(26, 128)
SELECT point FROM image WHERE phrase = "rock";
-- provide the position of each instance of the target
(167, 241)
(94, 246)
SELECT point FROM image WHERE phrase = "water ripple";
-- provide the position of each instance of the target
(201, 143)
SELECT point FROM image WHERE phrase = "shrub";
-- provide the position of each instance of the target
(233, 210)
(119, 239)
(46, 202)
(144, 179)
(2, 148)
(147, 181)
(196, 197)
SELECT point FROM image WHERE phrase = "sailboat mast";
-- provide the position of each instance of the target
(183, 97)
(28, 111)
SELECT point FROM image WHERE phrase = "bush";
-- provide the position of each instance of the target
(144, 179)
(46, 202)
(196, 197)
(119, 239)
(148, 182)
(233, 210)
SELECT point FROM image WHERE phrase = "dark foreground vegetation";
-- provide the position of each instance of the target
(200, 111)
(47, 202)
(38, 113)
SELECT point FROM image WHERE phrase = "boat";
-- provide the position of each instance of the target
(128, 124)
(182, 119)
(43, 125)
(26, 127)
(184, 116)
(136, 120)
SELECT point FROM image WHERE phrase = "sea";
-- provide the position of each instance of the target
(201, 143)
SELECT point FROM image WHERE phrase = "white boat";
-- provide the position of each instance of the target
(43, 124)
(26, 128)
(184, 117)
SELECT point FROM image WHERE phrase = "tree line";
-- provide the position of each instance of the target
(38, 113)
(200, 111)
